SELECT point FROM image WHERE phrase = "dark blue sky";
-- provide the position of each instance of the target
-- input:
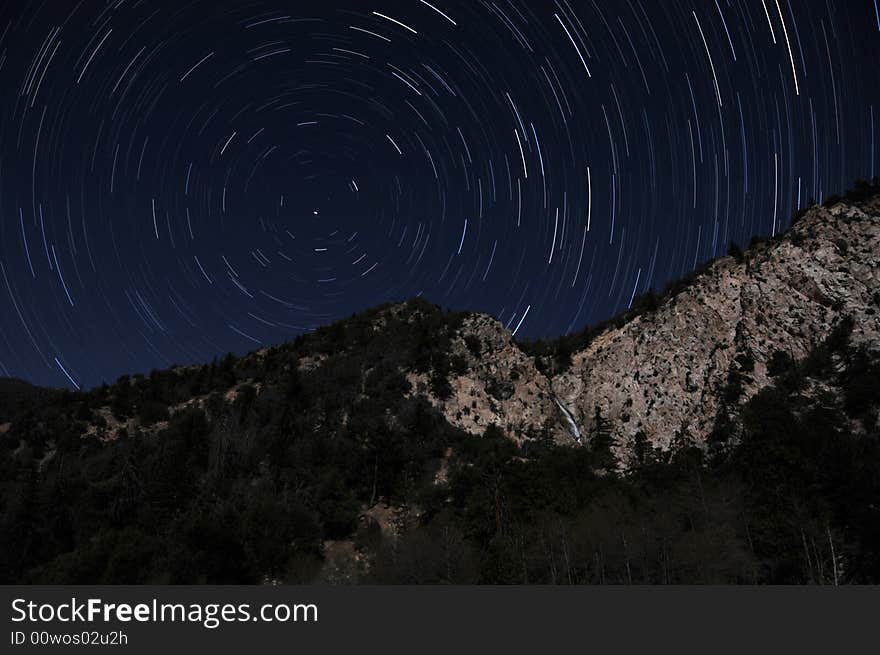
(178, 180)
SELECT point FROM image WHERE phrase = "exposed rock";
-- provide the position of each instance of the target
(668, 370)
(500, 386)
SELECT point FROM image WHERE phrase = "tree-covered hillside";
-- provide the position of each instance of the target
(314, 462)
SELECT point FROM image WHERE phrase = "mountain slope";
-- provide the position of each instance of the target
(706, 351)
(728, 431)
(684, 363)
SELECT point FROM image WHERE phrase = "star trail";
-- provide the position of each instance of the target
(179, 180)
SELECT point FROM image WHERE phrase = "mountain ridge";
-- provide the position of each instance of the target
(711, 345)
(552, 389)
(409, 444)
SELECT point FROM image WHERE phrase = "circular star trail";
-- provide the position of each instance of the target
(179, 180)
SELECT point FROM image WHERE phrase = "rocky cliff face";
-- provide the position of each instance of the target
(707, 350)
(499, 385)
(694, 360)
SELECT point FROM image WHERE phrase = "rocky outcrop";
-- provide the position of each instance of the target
(693, 360)
(706, 350)
(495, 382)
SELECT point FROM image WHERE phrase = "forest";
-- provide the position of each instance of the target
(250, 469)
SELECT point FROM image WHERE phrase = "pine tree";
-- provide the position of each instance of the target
(601, 441)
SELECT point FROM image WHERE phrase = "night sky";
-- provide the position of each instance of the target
(183, 179)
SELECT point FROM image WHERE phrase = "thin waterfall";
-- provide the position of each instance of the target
(572, 425)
